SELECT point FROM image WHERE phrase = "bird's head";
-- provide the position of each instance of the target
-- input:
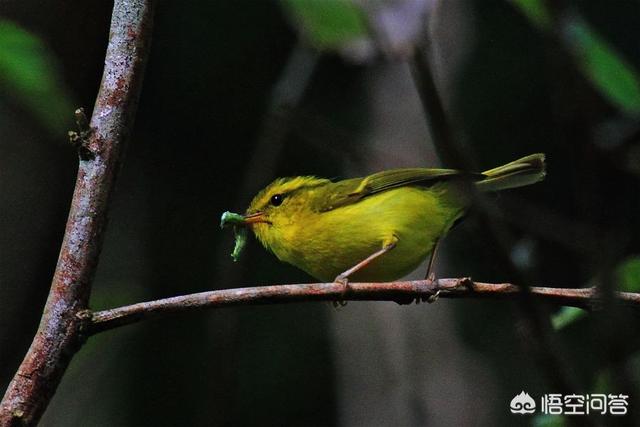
(276, 209)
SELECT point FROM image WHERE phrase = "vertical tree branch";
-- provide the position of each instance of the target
(60, 335)
(546, 351)
(435, 115)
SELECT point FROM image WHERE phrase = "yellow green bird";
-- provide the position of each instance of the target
(375, 228)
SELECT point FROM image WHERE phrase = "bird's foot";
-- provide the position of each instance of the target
(344, 281)
(431, 277)
(434, 297)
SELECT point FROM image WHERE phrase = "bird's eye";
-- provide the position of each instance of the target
(276, 199)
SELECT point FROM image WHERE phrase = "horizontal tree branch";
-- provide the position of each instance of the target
(401, 292)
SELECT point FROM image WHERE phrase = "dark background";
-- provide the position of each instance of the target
(210, 131)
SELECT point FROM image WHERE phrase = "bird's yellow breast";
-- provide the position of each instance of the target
(325, 244)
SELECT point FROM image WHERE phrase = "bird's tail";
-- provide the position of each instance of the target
(525, 171)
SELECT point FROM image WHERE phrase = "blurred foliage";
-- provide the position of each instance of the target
(536, 11)
(28, 73)
(614, 77)
(603, 382)
(548, 420)
(628, 274)
(361, 30)
(627, 277)
(328, 24)
(567, 315)
(607, 70)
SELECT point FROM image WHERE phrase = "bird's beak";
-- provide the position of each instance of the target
(255, 218)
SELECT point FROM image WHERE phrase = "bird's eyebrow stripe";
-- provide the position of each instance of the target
(304, 187)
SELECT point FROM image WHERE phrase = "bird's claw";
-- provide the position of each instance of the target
(431, 277)
(339, 304)
(434, 297)
(344, 281)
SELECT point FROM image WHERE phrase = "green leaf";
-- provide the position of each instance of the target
(328, 24)
(628, 275)
(536, 11)
(565, 316)
(605, 68)
(29, 75)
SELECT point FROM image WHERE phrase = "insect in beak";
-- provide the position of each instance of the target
(255, 218)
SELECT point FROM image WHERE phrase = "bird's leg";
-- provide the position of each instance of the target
(343, 278)
(430, 275)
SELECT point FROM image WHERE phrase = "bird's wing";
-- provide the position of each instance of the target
(351, 190)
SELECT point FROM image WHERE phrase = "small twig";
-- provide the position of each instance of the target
(80, 139)
(545, 349)
(434, 111)
(400, 292)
